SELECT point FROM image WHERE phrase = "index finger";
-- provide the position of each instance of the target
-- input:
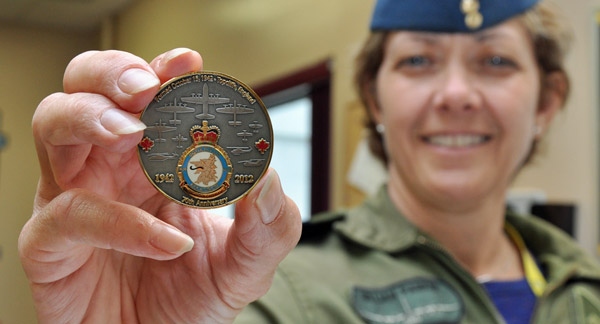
(124, 78)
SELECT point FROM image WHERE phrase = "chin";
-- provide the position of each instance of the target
(463, 191)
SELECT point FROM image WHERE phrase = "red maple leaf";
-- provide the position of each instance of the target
(146, 144)
(262, 145)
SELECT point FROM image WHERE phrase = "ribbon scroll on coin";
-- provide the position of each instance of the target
(208, 140)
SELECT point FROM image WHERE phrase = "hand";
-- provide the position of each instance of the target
(103, 245)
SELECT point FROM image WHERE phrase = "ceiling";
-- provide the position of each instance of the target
(80, 15)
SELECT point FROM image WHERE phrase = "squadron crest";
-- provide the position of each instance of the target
(204, 169)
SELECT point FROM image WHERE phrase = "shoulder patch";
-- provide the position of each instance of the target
(414, 301)
(319, 226)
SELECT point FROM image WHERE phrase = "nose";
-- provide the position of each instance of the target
(457, 90)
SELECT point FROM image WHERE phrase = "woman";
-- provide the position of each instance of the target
(456, 106)
(457, 99)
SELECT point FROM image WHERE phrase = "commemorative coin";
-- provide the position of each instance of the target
(208, 140)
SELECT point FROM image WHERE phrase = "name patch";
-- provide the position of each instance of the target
(413, 301)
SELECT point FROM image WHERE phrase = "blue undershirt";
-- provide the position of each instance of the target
(514, 300)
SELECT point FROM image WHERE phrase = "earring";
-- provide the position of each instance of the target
(380, 128)
(538, 130)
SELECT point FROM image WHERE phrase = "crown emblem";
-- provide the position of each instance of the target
(205, 134)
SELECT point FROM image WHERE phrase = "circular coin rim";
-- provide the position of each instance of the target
(262, 106)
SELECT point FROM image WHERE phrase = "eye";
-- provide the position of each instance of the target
(499, 62)
(414, 61)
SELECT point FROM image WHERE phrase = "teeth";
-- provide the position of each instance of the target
(457, 140)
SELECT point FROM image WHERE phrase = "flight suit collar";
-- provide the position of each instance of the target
(379, 225)
(558, 255)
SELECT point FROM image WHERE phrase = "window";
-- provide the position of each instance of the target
(299, 109)
(292, 129)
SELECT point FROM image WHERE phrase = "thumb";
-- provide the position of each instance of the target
(267, 227)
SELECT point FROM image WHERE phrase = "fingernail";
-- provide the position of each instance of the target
(170, 240)
(175, 53)
(133, 81)
(120, 122)
(270, 199)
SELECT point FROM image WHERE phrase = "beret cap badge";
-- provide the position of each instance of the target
(473, 18)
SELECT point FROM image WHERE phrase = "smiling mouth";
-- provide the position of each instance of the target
(457, 141)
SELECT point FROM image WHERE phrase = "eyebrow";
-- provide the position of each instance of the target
(487, 35)
(433, 38)
(425, 37)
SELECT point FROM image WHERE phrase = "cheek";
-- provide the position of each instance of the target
(399, 109)
(515, 112)
(515, 98)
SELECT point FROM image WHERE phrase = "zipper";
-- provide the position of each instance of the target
(451, 263)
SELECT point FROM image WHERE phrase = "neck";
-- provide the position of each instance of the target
(473, 233)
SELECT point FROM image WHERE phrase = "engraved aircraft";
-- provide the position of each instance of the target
(255, 125)
(205, 99)
(160, 128)
(253, 162)
(235, 109)
(175, 108)
(162, 156)
(179, 139)
(244, 135)
(239, 149)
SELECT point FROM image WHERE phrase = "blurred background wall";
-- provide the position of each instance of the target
(256, 41)
(32, 61)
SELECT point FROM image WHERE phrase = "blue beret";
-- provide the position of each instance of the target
(445, 15)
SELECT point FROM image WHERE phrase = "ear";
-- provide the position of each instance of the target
(553, 96)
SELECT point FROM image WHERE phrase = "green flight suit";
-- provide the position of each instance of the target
(370, 265)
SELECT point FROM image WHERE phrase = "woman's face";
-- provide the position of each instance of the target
(460, 111)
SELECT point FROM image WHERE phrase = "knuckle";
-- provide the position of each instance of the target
(23, 243)
(76, 211)
(67, 117)
(99, 69)
(76, 62)
(288, 233)
(80, 58)
(254, 241)
(117, 61)
(73, 212)
(41, 113)
(86, 110)
(71, 203)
